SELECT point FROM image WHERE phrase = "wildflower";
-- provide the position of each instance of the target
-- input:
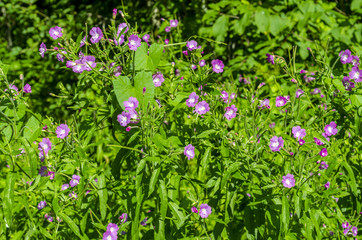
(217, 66)
(326, 136)
(191, 45)
(356, 74)
(293, 80)
(96, 34)
(124, 119)
(158, 79)
(70, 64)
(298, 132)
(43, 171)
(62, 131)
(276, 143)
(202, 63)
(205, 210)
(189, 151)
(224, 96)
(270, 58)
(272, 125)
(323, 152)
(194, 209)
(134, 42)
(193, 66)
(75, 180)
(167, 41)
(280, 101)
(202, 108)
(45, 146)
(185, 53)
(192, 100)
(345, 56)
(27, 88)
(354, 231)
(315, 91)
(173, 23)
(348, 85)
(264, 104)
(327, 185)
(119, 40)
(323, 165)
(146, 37)
(123, 217)
(65, 186)
(42, 49)
(108, 236)
(42, 205)
(82, 42)
(167, 29)
(131, 104)
(302, 71)
(51, 174)
(301, 142)
(288, 181)
(56, 32)
(144, 221)
(232, 96)
(345, 225)
(89, 62)
(121, 27)
(299, 93)
(355, 61)
(73, 195)
(230, 112)
(331, 129)
(60, 57)
(78, 67)
(114, 13)
(113, 229)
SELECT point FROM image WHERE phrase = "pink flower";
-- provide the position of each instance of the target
(327, 185)
(299, 93)
(173, 23)
(134, 42)
(146, 37)
(202, 108)
(217, 66)
(124, 119)
(56, 32)
(331, 129)
(194, 210)
(62, 131)
(264, 104)
(74, 181)
(27, 88)
(131, 104)
(298, 132)
(205, 210)
(189, 151)
(276, 143)
(96, 34)
(324, 152)
(230, 112)
(192, 100)
(288, 181)
(168, 29)
(280, 101)
(42, 49)
(45, 146)
(224, 96)
(191, 45)
(158, 79)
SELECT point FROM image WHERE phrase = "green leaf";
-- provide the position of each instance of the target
(220, 27)
(351, 178)
(103, 195)
(206, 133)
(144, 80)
(285, 213)
(55, 204)
(123, 90)
(164, 205)
(154, 180)
(8, 198)
(45, 233)
(262, 20)
(143, 61)
(83, 222)
(356, 100)
(71, 224)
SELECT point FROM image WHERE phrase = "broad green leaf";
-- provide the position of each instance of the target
(148, 59)
(154, 179)
(285, 213)
(103, 195)
(8, 198)
(164, 205)
(71, 224)
(144, 80)
(83, 222)
(351, 178)
(123, 89)
(45, 233)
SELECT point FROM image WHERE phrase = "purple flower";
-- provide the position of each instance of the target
(185, 53)
(124, 119)
(345, 56)
(56, 32)
(348, 84)
(354, 231)
(270, 58)
(45, 146)
(315, 91)
(217, 66)
(298, 132)
(327, 185)
(288, 181)
(299, 93)
(73, 195)
(264, 104)
(167, 29)
(133, 114)
(323, 152)
(119, 40)
(70, 64)
(280, 101)
(113, 229)
(194, 210)
(331, 129)
(42, 205)
(144, 221)
(42, 49)
(82, 43)
(355, 61)
(276, 143)
(192, 100)
(224, 96)
(158, 79)
(89, 62)
(318, 142)
(108, 236)
(346, 225)
(121, 27)
(75, 180)
(146, 37)
(189, 151)
(96, 34)
(302, 71)
(65, 186)
(167, 41)
(123, 217)
(27, 88)
(272, 125)
(193, 66)
(301, 142)
(326, 136)
(323, 165)
(232, 96)
(131, 104)
(230, 112)
(51, 174)
(202, 108)
(62, 131)
(78, 67)
(173, 23)
(13, 89)
(43, 171)
(60, 57)
(356, 74)
(205, 210)
(191, 45)
(134, 42)
(114, 12)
